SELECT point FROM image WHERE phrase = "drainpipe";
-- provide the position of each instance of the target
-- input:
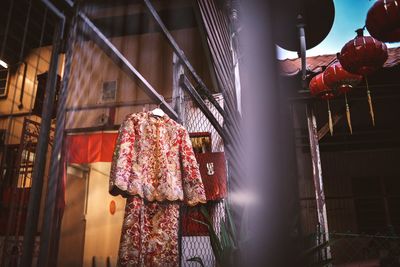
(21, 97)
(303, 48)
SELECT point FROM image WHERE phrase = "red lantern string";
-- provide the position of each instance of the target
(348, 114)
(330, 117)
(371, 107)
(342, 81)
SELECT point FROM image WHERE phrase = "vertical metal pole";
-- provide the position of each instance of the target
(317, 174)
(41, 151)
(7, 137)
(179, 52)
(178, 104)
(53, 214)
(178, 96)
(303, 48)
(267, 196)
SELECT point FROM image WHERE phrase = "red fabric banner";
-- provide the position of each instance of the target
(90, 148)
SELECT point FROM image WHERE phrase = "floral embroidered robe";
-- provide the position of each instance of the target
(154, 167)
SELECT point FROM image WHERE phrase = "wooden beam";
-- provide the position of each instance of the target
(317, 175)
(325, 129)
(110, 50)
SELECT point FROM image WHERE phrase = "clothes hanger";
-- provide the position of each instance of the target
(158, 111)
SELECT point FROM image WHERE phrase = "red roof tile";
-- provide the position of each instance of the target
(293, 66)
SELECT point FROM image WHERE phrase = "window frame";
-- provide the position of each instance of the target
(6, 87)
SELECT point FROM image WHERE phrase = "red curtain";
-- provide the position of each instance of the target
(89, 148)
(81, 149)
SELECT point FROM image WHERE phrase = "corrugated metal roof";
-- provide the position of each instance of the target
(293, 66)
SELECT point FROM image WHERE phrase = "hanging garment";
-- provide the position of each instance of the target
(154, 159)
(153, 162)
(149, 234)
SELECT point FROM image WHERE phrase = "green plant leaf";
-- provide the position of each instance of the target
(201, 222)
(230, 223)
(224, 244)
(205, 213)
(214, 240)
(225, 238)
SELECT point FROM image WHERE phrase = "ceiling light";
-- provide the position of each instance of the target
(3, 64)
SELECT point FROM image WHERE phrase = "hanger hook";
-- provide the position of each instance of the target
(161, 102)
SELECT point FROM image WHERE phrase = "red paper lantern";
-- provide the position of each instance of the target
(383, 20)
(363, 55)
(336, 77)
(318, 88)
(342, 81)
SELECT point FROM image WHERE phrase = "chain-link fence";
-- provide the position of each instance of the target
(348, 249)
(365, 250)
(196, 121)
(194, 237)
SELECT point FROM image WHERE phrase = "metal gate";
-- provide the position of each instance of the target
(15, 191)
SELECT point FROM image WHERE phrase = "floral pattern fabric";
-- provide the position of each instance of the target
(154, 159)
(149, 234)
(154, 167)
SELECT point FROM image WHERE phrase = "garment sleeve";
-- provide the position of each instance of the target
(121, 166)
(193, 187)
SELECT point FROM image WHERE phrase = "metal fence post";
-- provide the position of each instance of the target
(178, 96)
(41, 151)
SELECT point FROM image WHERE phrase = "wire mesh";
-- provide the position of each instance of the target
(195, 241)
(196, 121)
(25, 50)
(360, 249)
(349, 249)
(87, 109)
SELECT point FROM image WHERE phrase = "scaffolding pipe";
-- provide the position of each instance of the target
(184, 82)
(110, 50)
(302, 37)
(41, 150)
(183, 57)
(52, 217)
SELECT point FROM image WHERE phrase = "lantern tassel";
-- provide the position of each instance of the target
(371, 108)
(348, 114)
(330, 118)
